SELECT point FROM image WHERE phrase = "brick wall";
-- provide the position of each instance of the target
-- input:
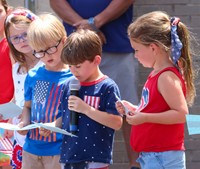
(188, 11)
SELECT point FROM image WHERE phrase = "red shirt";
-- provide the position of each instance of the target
(152, 137)
(6, 81)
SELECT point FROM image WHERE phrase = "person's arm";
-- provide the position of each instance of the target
(65, 11)
(109, 120)
(25, 119)
(104, 118)
(58, 122)
(114, 10)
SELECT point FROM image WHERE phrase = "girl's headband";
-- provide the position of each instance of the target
(20, 12)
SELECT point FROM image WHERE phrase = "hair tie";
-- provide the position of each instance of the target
(19, 12)
(176, 44)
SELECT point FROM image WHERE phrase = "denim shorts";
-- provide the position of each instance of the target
(162, 160)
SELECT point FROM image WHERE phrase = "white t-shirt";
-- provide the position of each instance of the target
(19, 97)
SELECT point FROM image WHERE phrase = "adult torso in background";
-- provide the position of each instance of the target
(114, 31)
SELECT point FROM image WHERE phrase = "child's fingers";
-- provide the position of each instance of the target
(130, 113)
(120, 107)
(44, 132)
(8, 133)
(23, 132)
(1, 116)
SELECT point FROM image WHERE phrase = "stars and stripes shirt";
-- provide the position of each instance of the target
(43, 88)
(95, 141)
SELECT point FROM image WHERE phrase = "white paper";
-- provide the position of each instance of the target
(48, 126)
(10, 110)
(9, 126)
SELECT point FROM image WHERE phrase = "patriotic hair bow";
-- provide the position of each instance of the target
(20, 12)
(176, 44)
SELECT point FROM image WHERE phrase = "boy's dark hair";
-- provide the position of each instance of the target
(80, 46)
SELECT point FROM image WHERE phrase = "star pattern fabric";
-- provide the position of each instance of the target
(95, 141)
(176, 44)
(41, 89)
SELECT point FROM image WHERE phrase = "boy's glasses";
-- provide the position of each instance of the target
(49, 51)
(17, 38)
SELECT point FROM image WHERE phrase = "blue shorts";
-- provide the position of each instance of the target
(162, 160)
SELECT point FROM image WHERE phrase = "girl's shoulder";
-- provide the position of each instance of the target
(171, 71)
(164, 71)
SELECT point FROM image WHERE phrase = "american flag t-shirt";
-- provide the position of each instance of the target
(92, 101)
(45, 105)
(41, 89)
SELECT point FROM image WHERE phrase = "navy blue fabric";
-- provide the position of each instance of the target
(95, 141)
(113, 31)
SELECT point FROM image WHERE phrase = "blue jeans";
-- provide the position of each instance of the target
(162, 160)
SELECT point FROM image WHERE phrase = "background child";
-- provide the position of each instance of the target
(46, 35)
(7, 88)
(16, 26)
(6, 82)
(161, 43)
(98, 117)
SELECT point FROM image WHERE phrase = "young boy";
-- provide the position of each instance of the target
(46, 35)
(98, 117)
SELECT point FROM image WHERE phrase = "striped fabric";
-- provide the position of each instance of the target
(5, 146)
(5, 151)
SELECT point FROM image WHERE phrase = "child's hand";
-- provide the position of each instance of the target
(8, 133)
(123, 109)
(44, 132)
(77, 105)
(20, 116)
(136, 118)
(21, 125)
(1, 117)
(120, 108)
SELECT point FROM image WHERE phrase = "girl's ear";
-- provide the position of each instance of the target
(97, 60)
(64, 39)
(154, 47)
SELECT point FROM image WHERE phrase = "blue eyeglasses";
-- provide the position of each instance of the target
(49, 51)
(16, 39)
